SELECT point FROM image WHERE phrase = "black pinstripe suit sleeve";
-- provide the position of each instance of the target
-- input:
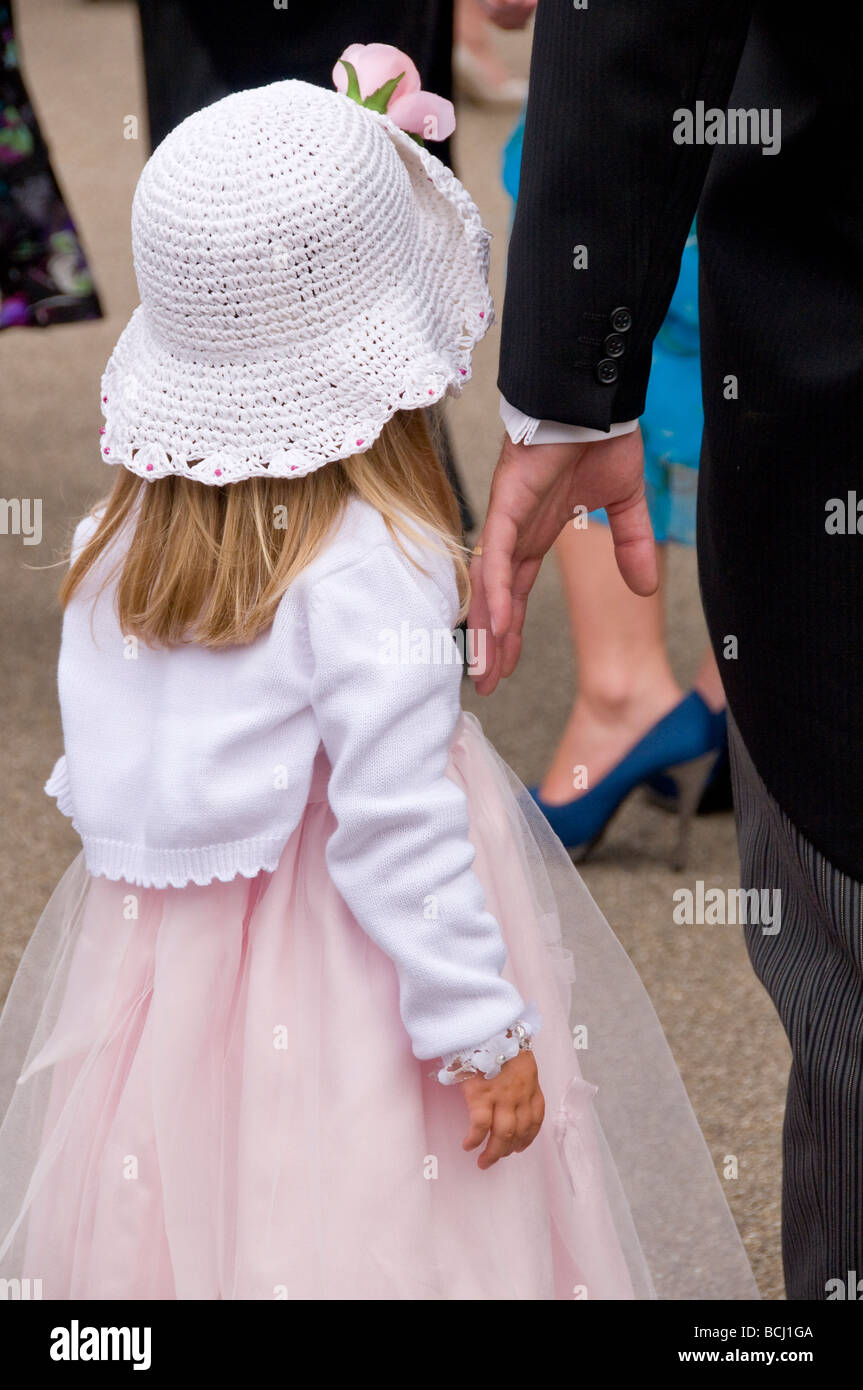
(601, 170)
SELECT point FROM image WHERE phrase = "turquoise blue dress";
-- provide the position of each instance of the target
(672, 421)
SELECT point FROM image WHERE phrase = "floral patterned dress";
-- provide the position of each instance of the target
(44, 276)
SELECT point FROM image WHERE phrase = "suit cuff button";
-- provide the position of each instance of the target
(614, 345)
(621, 319)
(606, 371)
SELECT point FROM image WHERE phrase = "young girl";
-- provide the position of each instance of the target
(315, 917)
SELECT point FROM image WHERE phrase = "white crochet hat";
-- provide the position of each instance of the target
(305, 269)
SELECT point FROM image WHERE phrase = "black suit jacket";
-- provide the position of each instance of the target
(781, 251)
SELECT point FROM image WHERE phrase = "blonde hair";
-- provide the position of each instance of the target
(211, 564)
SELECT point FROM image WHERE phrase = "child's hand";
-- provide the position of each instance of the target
(511, 1107)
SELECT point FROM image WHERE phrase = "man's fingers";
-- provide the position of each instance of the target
(509, 654)
(634, 546)
(484, 668)
(491, 603)
(510, 646)
(487, 683)
(499, 538)
(483, 652)
(504, 649)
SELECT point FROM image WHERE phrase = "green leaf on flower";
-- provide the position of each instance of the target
(353, 82)
(379, 100)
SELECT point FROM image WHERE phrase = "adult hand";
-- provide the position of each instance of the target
(508, 14)
(535, 491)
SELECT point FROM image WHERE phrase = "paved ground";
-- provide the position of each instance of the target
(80, 60)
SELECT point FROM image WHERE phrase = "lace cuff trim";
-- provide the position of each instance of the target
(487, 1058)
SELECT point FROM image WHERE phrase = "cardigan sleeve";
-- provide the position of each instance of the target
(400, 855)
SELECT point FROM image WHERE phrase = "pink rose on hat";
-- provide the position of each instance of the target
(382, 78)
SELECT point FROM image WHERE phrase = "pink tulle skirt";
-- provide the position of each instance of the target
(210, 1095)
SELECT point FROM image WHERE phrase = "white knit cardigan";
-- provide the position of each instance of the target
(188, 764)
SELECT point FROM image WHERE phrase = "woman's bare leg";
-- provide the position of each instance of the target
(625, 682)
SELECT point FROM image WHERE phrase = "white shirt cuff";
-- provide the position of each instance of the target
(524, 429)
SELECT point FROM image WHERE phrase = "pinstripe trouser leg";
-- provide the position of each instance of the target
(812, 969)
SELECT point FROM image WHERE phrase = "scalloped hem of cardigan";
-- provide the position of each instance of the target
(147, 866)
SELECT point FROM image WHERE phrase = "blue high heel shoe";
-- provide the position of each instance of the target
(685, 744)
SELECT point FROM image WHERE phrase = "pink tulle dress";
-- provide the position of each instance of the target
(216, 1098)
